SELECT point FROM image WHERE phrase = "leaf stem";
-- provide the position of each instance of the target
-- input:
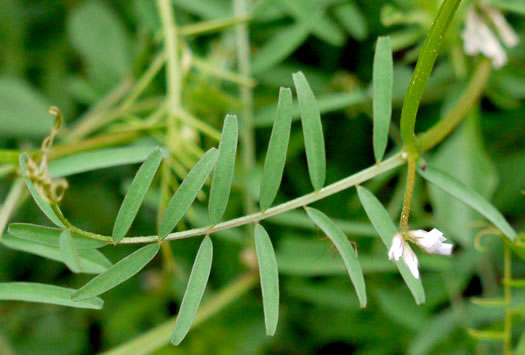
(471, 95)
(424, 66)
(409, 191)
(507, 343)
(160, 335)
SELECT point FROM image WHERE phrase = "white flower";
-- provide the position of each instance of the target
(396, 250)
(400, 248)
(478, 38)
(431, 242)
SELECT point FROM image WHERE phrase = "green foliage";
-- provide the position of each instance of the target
(269, 278)
(138, 86)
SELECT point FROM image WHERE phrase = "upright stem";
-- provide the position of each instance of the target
(424, 66)
(507, 343)
(10, 203)
(409, 191)
(247, 125)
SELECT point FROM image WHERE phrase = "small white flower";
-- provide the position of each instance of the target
(410, 259)
(431, 242)
(478, 38)
(396, 250)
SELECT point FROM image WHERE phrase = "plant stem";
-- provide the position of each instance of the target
(507, 343)
(247, 121)
(79, 231)
(471, 95)
(213, 25)
(424, 66)
(10, 203)
(160, 335)
(409, 191)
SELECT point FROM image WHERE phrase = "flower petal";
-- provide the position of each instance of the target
(411, 261)
(396, 250)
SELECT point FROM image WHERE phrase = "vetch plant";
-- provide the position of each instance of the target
(177, 171)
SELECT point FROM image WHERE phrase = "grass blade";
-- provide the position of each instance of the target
(277, 149)
(386, 229)
(194, 291)
(312, 129)
(50, 236)
(91, 261)
(135, 195)
(188, 190)
(42, 293)
(223, 176)
(383, 82)
(468, 196)
(118, 273)
(69, 252)
(41, 203)
(269, 278)
(345, 249)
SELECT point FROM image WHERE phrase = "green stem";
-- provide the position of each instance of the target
(247, 121)
(409, 191)
(160, 335)
(472, 94)
(10, 203)
(424, 66)
(213, 26)
(507, 344)
(79, 231)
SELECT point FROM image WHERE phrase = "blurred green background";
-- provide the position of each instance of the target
(73, 54)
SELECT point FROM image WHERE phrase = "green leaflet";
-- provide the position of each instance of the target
(383, 83)
(194, 291)
(188, 190)
(386, 230)
(135, 195)
(42, 293)
(352, 20)
(269, 275)
(69, 252)
(313, 131)
(118, 273)
(99, 159)
(345, 249)
(49, 236)
(277, 149)
(279, 47)
(91, 261)
(42, 204)
(223, 175)
(468, 196)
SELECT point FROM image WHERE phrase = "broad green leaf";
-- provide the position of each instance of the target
(69, 252)
(42, 293)
(23, 111)
(464, 156)
(42, 204)
(313, 131)
(223, 175)
(468, 196)
(383, 83)
(118, 273)
(91, 260)
(188, 190)
(106, 38)
(486, 334)
(269, 278)
(279, 47)
(386, 229)
(135, 195)
(277, 148)
(99, 159)
(352, 20)
(50, 236)
(345, 249)
(194, 291)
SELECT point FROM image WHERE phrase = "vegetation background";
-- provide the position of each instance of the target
(80, 55)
